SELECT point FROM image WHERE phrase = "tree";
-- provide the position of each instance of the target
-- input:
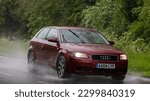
(8, 19)
(106, 16)
(51, 12)
(140, 28)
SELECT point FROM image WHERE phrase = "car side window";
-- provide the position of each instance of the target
(43, 34)
(52, 33)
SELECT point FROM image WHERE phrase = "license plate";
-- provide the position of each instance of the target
(105, 66)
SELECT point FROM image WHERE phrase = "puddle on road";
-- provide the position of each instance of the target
(51, 77)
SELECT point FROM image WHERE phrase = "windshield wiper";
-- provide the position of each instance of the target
(76, 35)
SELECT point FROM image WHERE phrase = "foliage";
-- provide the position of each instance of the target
(7, 16)
(125, 43)
(140, 28)
(39, 13)
(110, 16)
(106, 16)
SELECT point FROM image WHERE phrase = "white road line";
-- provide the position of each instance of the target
(6, 74)
(42, 82)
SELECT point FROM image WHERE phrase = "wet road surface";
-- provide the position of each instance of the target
(14, 71)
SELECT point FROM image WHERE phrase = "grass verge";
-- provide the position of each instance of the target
(13, 48)
(139, 63)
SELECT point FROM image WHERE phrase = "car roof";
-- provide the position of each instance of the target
(69, 27)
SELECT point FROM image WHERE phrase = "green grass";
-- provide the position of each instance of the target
(139, 63)
(15, 48)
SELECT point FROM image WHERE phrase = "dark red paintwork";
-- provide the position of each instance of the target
(47, 52)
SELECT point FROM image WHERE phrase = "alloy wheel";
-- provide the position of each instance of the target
(62, 67)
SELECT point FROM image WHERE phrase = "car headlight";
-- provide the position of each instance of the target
(80, 55)
(123, 57)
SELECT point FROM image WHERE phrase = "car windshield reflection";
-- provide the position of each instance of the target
(82, 36)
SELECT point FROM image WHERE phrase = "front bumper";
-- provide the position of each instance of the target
(88, 67)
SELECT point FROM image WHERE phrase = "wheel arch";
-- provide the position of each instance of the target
(31, 50)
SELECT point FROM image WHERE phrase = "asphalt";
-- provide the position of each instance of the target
(14, 71)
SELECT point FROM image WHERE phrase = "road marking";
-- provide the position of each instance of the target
(6, 74)
(42, 82)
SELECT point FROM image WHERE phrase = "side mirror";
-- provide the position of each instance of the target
(111, 42)
(53, 39)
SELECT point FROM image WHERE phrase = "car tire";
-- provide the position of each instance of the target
(31, 62)
(61, 67)
(118, 78)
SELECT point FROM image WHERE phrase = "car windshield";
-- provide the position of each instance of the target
(83, 36)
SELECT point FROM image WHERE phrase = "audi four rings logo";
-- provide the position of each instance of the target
(105, 57)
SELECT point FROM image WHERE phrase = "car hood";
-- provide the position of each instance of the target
(92, 48)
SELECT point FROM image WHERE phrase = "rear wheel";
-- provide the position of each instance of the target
(31, 62)
(118, 78)
(62, 67)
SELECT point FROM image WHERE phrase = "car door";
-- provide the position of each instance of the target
(39, 45)
(51, 48)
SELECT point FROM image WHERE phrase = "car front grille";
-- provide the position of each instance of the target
(105, 57)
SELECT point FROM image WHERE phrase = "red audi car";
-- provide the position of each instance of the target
(74, 50)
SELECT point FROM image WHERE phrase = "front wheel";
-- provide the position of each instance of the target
(62, 67)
